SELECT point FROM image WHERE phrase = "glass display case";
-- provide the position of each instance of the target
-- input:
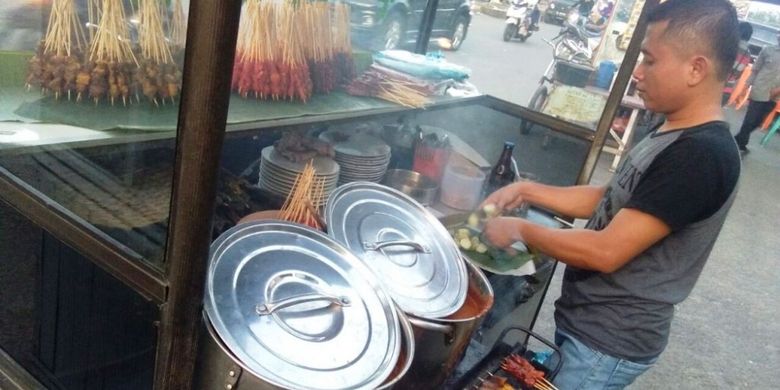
(125, 151)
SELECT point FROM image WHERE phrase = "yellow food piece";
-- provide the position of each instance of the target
(490, 210)
(473, 220)
(462, 233)
(481, 248)
(465, 243)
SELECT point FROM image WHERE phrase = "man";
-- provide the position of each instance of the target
(653, 226)
(743, 60)
(765, 82)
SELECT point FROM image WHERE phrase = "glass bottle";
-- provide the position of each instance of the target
(502, 173)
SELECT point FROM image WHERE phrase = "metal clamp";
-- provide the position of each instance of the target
(269, 308)
(375, 246)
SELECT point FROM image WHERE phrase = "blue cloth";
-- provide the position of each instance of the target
(585, 368)
(432, 66)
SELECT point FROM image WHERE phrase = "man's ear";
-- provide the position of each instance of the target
(700, 67)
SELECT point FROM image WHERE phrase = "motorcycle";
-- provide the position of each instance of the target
(577, 41)
(519, 21)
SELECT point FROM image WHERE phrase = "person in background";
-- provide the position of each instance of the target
(584, 7)
(533, 6)
(765, 89)
(652, 228)
(743, 60)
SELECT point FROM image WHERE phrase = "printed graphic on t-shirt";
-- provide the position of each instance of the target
(626, 179)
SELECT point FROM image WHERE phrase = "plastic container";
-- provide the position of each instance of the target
(605, 74)
(461, 186)
(430, 161)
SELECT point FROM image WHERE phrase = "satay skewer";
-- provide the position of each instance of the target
(549, 384)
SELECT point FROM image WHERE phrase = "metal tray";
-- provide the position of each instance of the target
(491, 363)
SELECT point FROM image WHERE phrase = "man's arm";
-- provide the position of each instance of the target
(630, 233)
(575, 202)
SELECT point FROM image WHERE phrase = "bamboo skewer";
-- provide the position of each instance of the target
(549, 384)
(111, 42)
(151, 37)
(299, 205)
(178, 26)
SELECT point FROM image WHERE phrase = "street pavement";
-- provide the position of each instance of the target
(507, 70)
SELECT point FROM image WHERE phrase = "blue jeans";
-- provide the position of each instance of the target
(585, 368)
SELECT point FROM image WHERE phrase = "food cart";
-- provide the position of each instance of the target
(109, 208)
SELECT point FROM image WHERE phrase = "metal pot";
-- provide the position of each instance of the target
(218, 368)
(445, 296)
(441, 343)
(410, 251)
(288, 307)
(419, 187)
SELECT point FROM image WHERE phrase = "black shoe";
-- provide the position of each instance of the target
(743, 150)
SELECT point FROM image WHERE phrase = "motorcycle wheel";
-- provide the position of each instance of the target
(392, 36)
(459, 33)
(509, 32)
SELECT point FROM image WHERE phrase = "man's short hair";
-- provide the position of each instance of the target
(709, 25)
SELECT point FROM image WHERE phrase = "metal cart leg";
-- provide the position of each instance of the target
(625, 140)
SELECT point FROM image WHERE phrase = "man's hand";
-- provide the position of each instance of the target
(502, 232)
(506, 198)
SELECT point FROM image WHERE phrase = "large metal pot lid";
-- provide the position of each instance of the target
(299, 309)
(407, 247)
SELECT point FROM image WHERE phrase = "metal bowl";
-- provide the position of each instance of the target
(419, 187)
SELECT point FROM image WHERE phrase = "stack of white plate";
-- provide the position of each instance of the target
(362, 157)
(277, 174)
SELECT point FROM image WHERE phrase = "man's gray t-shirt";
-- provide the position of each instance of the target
(686, 178)
(765, 75)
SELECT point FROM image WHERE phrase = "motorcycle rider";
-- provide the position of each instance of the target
(536, 14)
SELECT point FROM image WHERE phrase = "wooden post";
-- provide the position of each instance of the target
(208, 64)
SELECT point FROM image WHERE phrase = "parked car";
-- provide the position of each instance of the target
(558, 10)
(392, 24)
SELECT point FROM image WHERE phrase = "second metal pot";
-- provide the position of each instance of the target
(441, 343)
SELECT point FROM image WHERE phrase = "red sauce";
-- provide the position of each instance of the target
(475, 305)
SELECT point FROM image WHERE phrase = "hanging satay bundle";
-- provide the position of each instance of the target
(158, 77)
(55, 66)
(108, 71)
(345, 64)
(269, 59)
(294, 78)
(317, 42)
(252, 40)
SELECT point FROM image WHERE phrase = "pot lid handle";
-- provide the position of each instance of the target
(270, 308)
(375, 246)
